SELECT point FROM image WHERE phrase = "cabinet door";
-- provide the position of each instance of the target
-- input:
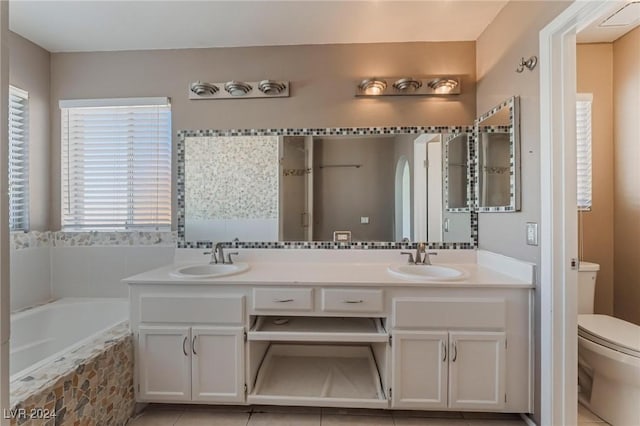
(477, 370)
(164, 364)
(218, 364)
(419, 369)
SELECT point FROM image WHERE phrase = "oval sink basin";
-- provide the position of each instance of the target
(210, 270)
(426, 272)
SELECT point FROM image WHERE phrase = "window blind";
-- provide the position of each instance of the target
(18, 159)
(583, 136)
(116, 164)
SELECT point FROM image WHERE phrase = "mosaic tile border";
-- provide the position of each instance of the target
(95, 238)
(513, 103)
(341, 131)
(330, 245)
(37, 239)
(329, 131)
(32, 239)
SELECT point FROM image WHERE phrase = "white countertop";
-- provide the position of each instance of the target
(328, 273)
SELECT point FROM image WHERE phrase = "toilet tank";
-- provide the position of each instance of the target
(587, 273)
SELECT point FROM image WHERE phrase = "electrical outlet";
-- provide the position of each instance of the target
(364, 219)
(532, 233)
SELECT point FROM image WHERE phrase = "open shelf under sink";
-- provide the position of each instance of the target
(321, 329)
(319, 375)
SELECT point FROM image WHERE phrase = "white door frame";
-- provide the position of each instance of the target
(558, 281)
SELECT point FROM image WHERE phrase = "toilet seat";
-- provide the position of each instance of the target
(613, 333)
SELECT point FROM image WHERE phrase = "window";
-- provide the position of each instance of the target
(116, 164)
(583, 136)
(18, 159)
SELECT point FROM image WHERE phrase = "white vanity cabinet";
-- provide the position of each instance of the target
(191, 364)
(385, 346)
(451, 351)
(190, 346)
(439, 370)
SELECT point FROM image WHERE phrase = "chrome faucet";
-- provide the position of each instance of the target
(217, 255)
(418, 259)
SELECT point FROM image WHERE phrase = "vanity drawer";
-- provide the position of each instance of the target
(352, 300)
(283, 299)
(219, 309)
(445, 312)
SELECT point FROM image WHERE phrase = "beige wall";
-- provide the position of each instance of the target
(29, 70)
(626, 110)
(597, 225)
(323, 79)
(342, 195)
(513, 35)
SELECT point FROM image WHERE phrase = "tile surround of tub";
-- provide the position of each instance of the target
(91, 385)
(35, 239)
(96, 271)
(30, 273)
(48, 265)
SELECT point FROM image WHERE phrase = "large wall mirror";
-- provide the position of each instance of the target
(362, 185)
(498, 158)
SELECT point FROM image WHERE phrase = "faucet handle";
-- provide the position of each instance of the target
(229, 260)
(214, 259)
(410, 256)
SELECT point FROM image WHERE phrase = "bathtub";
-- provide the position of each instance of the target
(42, 334)
(72, 360)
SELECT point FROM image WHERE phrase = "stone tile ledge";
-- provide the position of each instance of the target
(45, 376)
(36, 239)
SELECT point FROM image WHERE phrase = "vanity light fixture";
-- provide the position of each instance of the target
(409, 86)
(372, 87)
(443, 86)
(235, 89)
(201, 88)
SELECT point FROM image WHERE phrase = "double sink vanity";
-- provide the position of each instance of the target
(299, 319)
(340, 328)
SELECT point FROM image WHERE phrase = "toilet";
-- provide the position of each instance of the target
(608, 358)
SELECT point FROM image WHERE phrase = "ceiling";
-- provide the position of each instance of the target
(82, 25)
(621, 18)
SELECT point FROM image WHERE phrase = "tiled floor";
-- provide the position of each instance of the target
(586, 417)
(176, 415)
(201, 415)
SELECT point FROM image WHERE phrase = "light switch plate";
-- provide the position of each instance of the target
(532, 233)
(364, 219)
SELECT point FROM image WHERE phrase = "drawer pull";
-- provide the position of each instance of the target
(444, 351)
(283, 300)
(353, 301)
(455, 352)
(184, 343)
(193, 345)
